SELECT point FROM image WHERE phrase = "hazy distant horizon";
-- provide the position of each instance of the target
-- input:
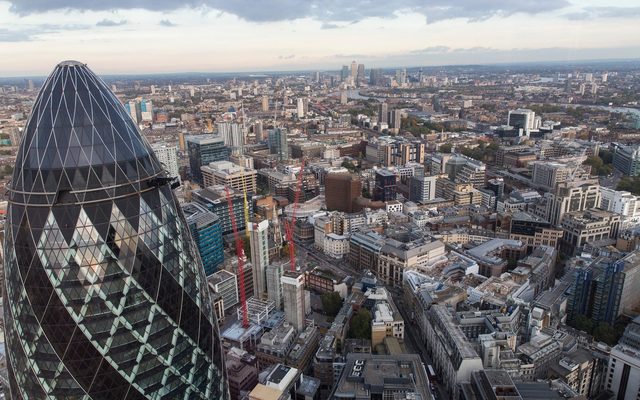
(565, 64)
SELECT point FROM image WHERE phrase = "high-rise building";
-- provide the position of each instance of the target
(375, 76)
(360, 78)
(341, 190)
(232, 135)
(259, 239)
(207, 234)
(205, 149)
(146, 110)
(229, 174)
(395, 119)
(422, 188)
(278, 143)
(344, 73)
(569, 197)
(168, 157)
(293, 298)
(302, 107)
(383, 113)
(522, 119)
(274, 284)
(133, 109)
(214, 198)
(623, 375)
(258, 131)
(386, 185)
(354, 70)
(265, 103)
(597, 291)
(626, 159)
(106, 297)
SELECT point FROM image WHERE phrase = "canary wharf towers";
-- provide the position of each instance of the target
(105, 294)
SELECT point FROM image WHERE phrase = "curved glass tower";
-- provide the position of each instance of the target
(106, 297)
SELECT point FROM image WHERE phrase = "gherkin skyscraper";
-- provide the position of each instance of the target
(105, 294)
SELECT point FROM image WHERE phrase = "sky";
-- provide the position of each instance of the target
(157, 36)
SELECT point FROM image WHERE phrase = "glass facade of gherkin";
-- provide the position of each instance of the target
(105, 293)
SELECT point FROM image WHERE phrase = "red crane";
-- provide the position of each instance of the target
(288, 226)
(240, 254)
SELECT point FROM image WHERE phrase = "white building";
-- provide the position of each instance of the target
(623, 375)
(259, 239)
(168, 157)
(620, 202)
(336, 246)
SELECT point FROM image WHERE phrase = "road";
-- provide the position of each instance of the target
(412, 341)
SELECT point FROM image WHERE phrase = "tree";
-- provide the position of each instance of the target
(349, 165)
(445, 148)
(360, 325)
(331, 303)
(630, 184)
(605, 333)
(582, 323)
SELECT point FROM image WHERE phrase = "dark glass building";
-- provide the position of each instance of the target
(386, 186)
(205, 149)
(105, 295)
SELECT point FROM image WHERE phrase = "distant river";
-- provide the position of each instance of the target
(633, 112)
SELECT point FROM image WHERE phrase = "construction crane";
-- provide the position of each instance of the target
(240, 254)
(291, 223)
(244, 183)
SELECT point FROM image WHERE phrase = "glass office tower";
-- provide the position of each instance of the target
(105, 294)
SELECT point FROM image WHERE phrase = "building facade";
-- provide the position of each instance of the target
(105, 295)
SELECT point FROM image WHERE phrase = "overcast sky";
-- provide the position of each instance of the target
(140, 36)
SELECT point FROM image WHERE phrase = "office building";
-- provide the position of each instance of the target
(214, 198)
(274, 284)
(383, 113)
(344, 73)
(265, 103)
(207, 234)
(523, 119)
(67, 335)
(548, 174)
(341, 190)
(275, 345)
(259, 239)
(422, 188)
(533, 231)
(231, 175)
(490, 384)
(386, 186)
(146, 110)
(623, 374)
(569, 197)
(368, 376)
(589, 226)
(278, 143)
(293, 298)
(133, 109)
(232, 134)
(354, 71)
(626, 159)
(620, 202)
(302, 107)
(242, 371)
(168, 157)
(597, 291)
(454, 357)
(202, 150)
(360, 76)
(225, 283)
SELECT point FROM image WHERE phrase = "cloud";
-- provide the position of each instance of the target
(329, 25)
(14, 36)
(110, 22)
(604, 12)
(166, 22)
(322, 10)
(289, 57)
(32, 32)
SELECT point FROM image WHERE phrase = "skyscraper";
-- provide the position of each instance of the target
(293, 298)
(341, 190)
(278, 143)
(205, 149)
(105, 294)
(383, 113)
(168, 157)
(206, 231)
(259, 239)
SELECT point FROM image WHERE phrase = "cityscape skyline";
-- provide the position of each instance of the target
(275, 36)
